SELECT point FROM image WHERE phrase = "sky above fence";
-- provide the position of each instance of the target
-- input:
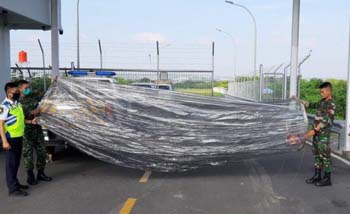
(185, 29)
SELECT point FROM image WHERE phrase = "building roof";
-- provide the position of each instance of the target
(26, 14)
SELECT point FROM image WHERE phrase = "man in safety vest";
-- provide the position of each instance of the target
(12, 124)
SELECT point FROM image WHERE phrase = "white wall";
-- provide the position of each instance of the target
(38, 10)
(5, 73)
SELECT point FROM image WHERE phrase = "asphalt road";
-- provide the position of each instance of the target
(274, 184)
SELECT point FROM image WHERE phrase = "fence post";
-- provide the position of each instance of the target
(157, 63)
(299, 82)
(100, 48)
(261, 83)
(43, 55)
(212, 67)
(285, 84)
(21, 72)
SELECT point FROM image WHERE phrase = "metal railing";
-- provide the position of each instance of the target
(188, 81)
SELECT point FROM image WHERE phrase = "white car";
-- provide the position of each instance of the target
(97, 76)
(144, 85)
(97, 79)
(167, 87)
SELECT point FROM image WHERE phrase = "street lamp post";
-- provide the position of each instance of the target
(255, 29)
(235, 50)
(255, 39)
(78, 42)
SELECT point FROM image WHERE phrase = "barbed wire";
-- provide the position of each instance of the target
(120, 54)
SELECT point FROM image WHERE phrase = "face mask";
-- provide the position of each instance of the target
(16, 96)
(27, 91)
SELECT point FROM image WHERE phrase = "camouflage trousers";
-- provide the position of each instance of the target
(28, 154)
(322, 153)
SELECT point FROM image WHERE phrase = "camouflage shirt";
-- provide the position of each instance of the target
(324, 118)
(30, 103)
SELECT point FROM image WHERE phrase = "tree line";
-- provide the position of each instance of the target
(309, 91)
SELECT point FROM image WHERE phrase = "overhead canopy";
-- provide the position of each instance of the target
(26, 14)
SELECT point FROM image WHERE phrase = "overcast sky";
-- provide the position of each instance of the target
(186, 28)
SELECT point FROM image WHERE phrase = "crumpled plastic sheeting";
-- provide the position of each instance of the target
(165, 131)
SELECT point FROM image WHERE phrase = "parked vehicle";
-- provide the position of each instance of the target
(165, 87)
(154, 86)
(144, 85)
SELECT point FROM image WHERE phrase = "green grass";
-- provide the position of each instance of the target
(199, 91)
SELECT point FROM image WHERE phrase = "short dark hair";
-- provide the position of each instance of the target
(10, 85)
(326, 85)
(22, 82)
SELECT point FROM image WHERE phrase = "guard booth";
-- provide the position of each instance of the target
(27, 15)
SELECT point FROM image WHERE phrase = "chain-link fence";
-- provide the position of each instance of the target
(187, 81)
(273, 84)
(273, 87)
(245, 87)
(270, 86)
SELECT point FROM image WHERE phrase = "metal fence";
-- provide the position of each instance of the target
(273, 86)
(245, 88)
(187, 81)
(266, 87)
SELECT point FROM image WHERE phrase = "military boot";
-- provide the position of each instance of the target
(42, 177)
(326, 181)
(18, 193)
(31, 178)
(315, 178)
(23, 186)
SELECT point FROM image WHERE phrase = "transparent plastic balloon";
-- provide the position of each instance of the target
(167, 131)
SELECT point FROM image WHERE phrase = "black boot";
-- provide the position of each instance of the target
(315, 178)
(31, 178)
(42, 177)
(18, 193)
(326, 181)
(23, 186)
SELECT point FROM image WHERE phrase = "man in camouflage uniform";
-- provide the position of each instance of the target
(33, 135)
(321, 133)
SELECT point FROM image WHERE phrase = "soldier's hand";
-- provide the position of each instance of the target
(318, 128)
(54, 79)
(35, 112)
(305, 103)
(293, 139)
(293, 97)
(6, 146)
(35, 121)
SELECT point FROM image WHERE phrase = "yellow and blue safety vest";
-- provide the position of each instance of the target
(15, 121)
